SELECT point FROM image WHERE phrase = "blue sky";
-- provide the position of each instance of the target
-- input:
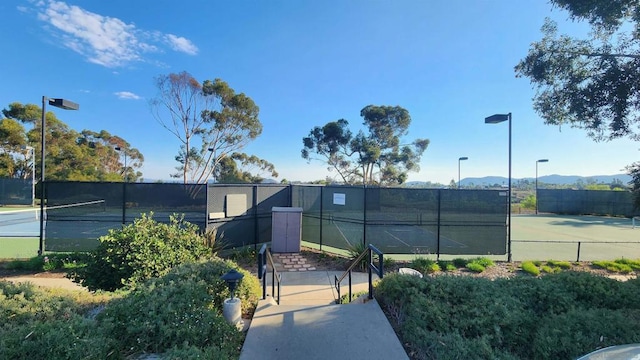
(305, 63)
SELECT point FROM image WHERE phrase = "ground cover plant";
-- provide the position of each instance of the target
(624, 266)
(556, 316)
(177, 316)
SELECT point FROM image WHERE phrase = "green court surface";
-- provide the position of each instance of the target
(18, 247)
(564, 237)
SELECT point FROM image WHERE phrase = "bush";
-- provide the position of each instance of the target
(460, 263)
(355, 251)
(72, 337)
(560, 264)
(424, 265)
(613, 266)
(140, 251)
(530, 267)
(39, 323)
(446, 265)
(557, 316)
(180, 313)
(570, 335)
(479, 265)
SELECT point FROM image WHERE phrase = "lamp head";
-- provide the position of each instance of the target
(543, 160)
(64, 104)
(232, 278)
(497, 118)
(463, 158)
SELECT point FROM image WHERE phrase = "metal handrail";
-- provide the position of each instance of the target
(264, 258)
(378, 269)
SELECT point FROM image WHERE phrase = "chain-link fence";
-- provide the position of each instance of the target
(396, 220)
(586, 202)
(78, 213)
(400, 221)
(16, 191)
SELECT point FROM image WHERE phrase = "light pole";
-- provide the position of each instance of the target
(62, 104)
(495, 119)
(32, 156)
(124, 171)
(124, 186)
(538, 161)
(460, 159)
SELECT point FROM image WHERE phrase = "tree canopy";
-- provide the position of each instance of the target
(84, 156)
(591, 83)
(211, 121)
(375, 157)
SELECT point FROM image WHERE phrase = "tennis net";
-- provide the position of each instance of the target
(58, 212)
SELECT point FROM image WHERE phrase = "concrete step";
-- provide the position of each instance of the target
(326, 331)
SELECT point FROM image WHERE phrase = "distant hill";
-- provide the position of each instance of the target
(549, 179)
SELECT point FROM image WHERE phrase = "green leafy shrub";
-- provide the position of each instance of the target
(634, 264)
(550, 270)
(389, 263)
(572, 334)
(530, 268)
(140, 251)
(49, 262)
(41, 323)
(557, 316)
(182, 308)
(354, 251)
(476, 267)
(424, 265)
(216, 243)
(23, 303)
(70, 337)
(479, 265)
(209, 272)
(247, 256)
(447, 265)
(560, 264)
(613, 266)
(460, 263)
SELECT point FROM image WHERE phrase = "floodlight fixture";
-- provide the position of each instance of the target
(496, 119)
(62, 104)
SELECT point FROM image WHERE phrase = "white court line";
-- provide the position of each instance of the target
(397, 238)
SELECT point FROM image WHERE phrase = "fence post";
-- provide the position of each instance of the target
(438, 232)
(364, 222)
(321, 215)
(579, 244)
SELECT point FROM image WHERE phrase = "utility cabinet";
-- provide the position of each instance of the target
(286, 229)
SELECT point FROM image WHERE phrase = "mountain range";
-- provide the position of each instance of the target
(547, 179)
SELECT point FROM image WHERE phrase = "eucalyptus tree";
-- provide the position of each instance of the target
(210, 120)
(70, 155)
(375, 157)
(592, 83)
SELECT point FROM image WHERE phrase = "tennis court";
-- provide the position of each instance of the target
(412, 232)
(20, 228)
(564, 237)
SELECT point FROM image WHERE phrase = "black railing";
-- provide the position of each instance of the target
(371, 267)
(264, 259)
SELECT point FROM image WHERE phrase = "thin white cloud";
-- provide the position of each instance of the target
(179, 43)
(127, 95)
(104, 40)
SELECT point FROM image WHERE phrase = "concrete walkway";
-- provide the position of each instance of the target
(309, 325)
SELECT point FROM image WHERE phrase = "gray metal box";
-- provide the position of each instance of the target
(286, 229)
